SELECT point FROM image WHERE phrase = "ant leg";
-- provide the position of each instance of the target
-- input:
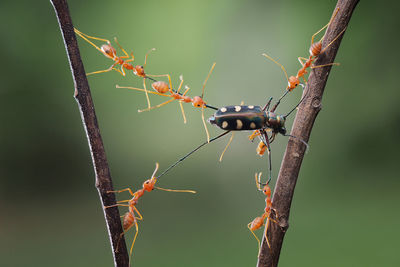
(134, 240)
(204, 123)
(305, 81)
(107, 70)
(287, 78)
(258, 240)
(266, 233)
(140, 217)
(205, 81)
(227, 145)
(254, 135)
(145, 57)
(330, 21)
(123, 50)
(313, 36)
(323, 50)
(87, 37)
(325, 65)
(116, 205)
(180, 103)
(142, 90)
(123, 201)
(300, 59)
(154, 107)
(90, 37)
(132, 58)
(276, 216)
(279, 64)
(122, 190)
(146, 92)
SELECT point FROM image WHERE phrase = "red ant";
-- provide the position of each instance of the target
(258, 222)
(163, 89)
(294, 81)
(315, 51)
(130, 218)
(110, 52)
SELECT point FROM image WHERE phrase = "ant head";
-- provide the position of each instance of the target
(198, 102)
(266, 190)
(148, 185)
(293, 82)
(109, 50)
(139, 71)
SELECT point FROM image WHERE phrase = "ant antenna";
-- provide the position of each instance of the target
(205, 81)
(204, 85)
(258, 181)
(191, 152)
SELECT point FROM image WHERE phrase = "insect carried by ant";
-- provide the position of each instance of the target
(110, 52)
(133, 215)
(244, 118)
(163, 89)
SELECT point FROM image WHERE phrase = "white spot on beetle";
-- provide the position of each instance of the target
(238, 108)
(252, 125)
(223, 109)
(239, 124)
(250, 107)
(224, 124)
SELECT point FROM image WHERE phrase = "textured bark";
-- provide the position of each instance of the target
(84, 99)
(302, 126)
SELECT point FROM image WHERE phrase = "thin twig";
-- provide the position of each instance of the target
(83, 97)
(302, 126)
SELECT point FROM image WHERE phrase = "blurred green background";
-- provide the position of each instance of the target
(344, 208)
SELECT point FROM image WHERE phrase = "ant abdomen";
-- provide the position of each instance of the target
(129, 219)
(315, 49)
(160, 86)
(109, 50)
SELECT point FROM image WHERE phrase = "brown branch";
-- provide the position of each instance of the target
(83, 97)
(302, 126)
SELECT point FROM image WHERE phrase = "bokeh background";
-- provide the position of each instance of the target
(345, 208)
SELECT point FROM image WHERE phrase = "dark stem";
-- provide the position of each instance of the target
(83, 97)
(303, 123)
